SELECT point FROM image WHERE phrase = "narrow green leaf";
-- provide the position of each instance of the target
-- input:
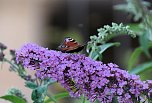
(141, 68)
(88, 47)
(143, 39)
(51, 98)
(30, 85)
(134, 57)
(94, 54)
(102, 48)
(57, 96)
(61, 95)
(13, 99)
(149, 33)
(137, 28)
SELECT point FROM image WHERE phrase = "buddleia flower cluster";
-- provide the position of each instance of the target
(81, 75)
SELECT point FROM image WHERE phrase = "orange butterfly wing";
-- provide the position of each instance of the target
(70, 45)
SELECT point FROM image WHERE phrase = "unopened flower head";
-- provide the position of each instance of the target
(2, 46)
(82, 75)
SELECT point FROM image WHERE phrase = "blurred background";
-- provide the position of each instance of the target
(48, 22)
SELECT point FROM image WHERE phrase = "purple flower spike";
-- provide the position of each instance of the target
(82, 75)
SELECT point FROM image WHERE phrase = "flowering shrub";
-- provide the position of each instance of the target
(86, 76)
(82, 75)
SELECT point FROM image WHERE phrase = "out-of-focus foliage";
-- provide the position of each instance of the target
(140, 12)
(136, 7)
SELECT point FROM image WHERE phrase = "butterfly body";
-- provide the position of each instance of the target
(70, 45)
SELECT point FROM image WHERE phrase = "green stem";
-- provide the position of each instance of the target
(91, 53)
(51, 97)
(10, 63)
(37, 83)
(83, 101)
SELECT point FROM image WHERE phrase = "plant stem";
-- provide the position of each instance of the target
(10, 63)
(51, 97)
(83, 101)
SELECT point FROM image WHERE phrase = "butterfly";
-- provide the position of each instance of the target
(70, 46)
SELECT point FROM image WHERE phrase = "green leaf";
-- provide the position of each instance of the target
(42, 89)
(144, 44)
(137, 28)
(30, 85)
(104, 47)
(13, 99)
(50, 99)
(134, 57)
(89, 45)
(57, 96)
(96, 53)
(38, 94)
(61, 95)
(141, 68)
(35, 95)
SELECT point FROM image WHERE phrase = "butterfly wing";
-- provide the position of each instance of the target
(70, 45)
(77, 49)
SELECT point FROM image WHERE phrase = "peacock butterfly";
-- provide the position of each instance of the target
(70, 46)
